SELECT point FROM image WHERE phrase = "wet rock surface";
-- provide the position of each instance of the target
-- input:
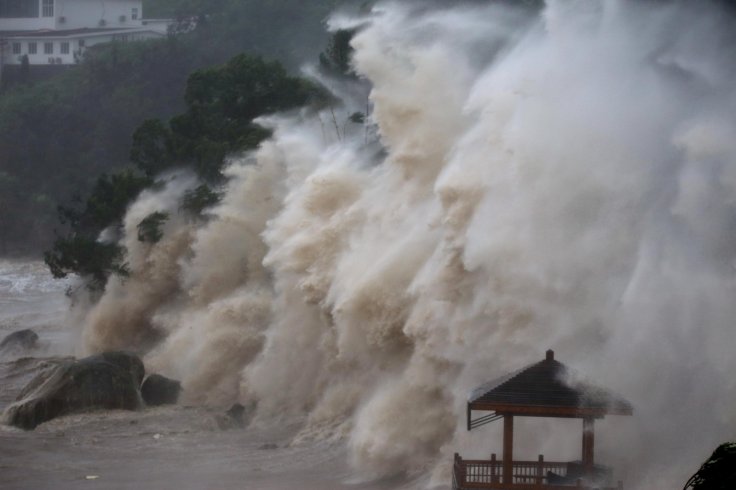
(105, 381)
(236, 417)
(718, 472)
(159, 390)
(25, 339)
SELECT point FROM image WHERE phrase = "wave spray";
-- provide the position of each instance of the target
(563, 179)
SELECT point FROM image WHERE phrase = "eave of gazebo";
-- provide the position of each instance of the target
(545, 411)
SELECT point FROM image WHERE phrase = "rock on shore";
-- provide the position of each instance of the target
(159, 390)
(21, 340)
(105, 381)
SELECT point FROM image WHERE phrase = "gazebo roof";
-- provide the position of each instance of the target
(546, 389)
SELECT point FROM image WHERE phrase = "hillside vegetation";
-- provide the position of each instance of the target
(222, 103)
(58, 137)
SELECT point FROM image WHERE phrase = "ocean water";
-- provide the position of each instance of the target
(31, 298)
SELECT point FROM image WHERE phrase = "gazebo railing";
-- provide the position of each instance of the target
(527, 475)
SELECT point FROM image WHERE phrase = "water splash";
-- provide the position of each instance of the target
(565, 180)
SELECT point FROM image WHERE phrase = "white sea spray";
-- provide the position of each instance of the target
(565, 182)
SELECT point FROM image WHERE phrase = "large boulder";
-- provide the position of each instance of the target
(127, 361)
(718, 472)
(20, 340)
(160, 390)
(236, 417)
(104, 381)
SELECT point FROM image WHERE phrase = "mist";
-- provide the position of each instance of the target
(563, 179)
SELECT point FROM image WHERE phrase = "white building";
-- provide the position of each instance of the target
(59, 31)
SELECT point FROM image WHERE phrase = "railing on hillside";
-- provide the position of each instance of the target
(527, 475)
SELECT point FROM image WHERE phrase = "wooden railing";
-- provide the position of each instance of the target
(527, 475)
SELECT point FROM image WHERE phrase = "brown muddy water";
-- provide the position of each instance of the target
(169, 448)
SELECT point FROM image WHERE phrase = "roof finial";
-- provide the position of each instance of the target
(550, 355)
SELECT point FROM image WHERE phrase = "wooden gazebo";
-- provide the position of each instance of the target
(544, 389)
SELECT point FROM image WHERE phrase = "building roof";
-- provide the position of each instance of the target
(72, 33)
(547, 389)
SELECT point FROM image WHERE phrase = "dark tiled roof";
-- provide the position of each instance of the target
(547, 388)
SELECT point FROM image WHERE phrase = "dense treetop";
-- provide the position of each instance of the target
(221, 104)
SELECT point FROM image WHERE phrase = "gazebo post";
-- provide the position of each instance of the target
(588, 444)
(508, 449)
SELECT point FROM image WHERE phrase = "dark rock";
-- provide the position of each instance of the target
(717, 473)
(236, 413)
(22, 339)
(268, 446)
(159, 390)
(124, 360)
(105, 381)
(236, 416)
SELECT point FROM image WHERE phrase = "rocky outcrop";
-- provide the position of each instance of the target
(20, 340)
(718, 472)
(160, 390)
(104, 381)
(236, 417)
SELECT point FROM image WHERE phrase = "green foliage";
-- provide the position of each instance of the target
(80, 252)
(718, 472)
(107, 203)
(221, 105)
(160, 9)
(87, 257)
(149, 229)
(223, 102)
(153, 147)
(197, 200)
(25, 69)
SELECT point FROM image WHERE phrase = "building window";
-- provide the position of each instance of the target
(134, 13)
(32, 48)
(16, 48)
(48, 48)
(65, 48)
(47, 8)
(13, 9)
